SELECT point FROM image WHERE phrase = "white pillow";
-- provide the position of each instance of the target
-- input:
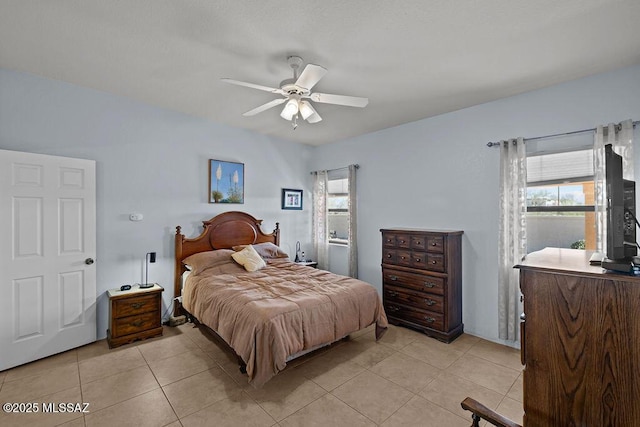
(249, 259)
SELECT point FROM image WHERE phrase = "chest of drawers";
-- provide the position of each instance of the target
(422, 280)
(134, 314)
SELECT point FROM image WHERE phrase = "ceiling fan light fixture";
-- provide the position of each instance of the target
(297, 95)
(306, 110)
(290, 109)
(314, 118)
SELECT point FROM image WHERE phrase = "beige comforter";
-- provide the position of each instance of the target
(281, 310)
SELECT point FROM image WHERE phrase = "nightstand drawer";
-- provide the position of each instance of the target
(134, 314)
(135, 324)
(135, 305)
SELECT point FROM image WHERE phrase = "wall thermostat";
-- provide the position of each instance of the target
(136, 217)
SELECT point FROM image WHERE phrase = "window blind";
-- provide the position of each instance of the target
(560, 166)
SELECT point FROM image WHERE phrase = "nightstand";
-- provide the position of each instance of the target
(134, 315)
(313, 264)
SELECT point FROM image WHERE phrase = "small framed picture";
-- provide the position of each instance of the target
(291, 199)
(226, 182)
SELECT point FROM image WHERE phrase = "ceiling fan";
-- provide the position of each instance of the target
(297, 93)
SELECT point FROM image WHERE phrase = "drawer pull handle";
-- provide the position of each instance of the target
(403, 257)
(137, 305)
(392, 293)
(388, 255)
(434, 244)
(394, 278)
(429, 285)
(401, 241)
(137, 323)
(429, 319)
(434, 262)
(417, 259)
(429, 301)
(417, 242)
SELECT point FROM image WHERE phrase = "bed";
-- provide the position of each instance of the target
(272, 315)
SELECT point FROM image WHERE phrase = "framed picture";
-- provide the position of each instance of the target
(291, 199)
(226, 182)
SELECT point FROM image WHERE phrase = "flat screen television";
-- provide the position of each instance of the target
(621, 206)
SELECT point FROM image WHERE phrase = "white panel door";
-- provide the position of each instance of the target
(47, 248)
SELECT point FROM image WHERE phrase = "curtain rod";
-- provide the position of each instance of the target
(494, 144)
(337, 169)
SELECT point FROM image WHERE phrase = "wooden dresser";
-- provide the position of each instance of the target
(422, 280)
(580, 342)
(134, 314)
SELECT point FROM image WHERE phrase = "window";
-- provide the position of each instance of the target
(338, 207)
(560, 200)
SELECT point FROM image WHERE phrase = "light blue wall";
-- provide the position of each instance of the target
(439, 173)
(152, 161)
(435, 173)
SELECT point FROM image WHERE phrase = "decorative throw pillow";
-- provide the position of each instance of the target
(249, 259)
(201, 261)
(266, 250)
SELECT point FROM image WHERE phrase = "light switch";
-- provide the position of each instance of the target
(136, 217)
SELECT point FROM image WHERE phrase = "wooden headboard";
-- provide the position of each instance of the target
(223, 231)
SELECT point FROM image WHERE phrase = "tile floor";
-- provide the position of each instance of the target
(186, 379)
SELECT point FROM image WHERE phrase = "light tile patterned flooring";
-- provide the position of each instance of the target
(186, 379)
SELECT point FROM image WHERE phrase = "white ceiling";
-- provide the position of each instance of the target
(412, 58)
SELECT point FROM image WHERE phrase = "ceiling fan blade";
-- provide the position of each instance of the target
(349, 101)
(264, 107)
(310, 76)
(253, 86)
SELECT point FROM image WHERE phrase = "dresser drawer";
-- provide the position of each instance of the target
(403, 241)
(414, 298)
(421, 260)
(435, 244)
(389, 240)
(418, 282)
(135, 305)
(134, 324)
(403, 258)
(418, 243)
(415, 315)
(435, 262)
(389, 256)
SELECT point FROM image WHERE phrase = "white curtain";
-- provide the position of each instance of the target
(621, 137)
(320, 241)
(513, 237)
(353, 229)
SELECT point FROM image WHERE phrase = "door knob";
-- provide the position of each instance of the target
(88, 261)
